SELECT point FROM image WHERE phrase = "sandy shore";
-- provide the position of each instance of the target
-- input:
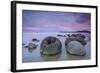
(35, 55)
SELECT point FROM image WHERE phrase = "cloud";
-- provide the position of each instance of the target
(55, 21)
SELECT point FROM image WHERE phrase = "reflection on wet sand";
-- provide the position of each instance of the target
(75, 57)
(51, 57)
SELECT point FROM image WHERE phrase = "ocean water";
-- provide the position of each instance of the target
(35, 56)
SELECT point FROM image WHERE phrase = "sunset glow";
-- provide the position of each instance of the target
(51, 21)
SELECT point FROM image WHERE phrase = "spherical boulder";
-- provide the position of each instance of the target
(50, 46)
(75, 48)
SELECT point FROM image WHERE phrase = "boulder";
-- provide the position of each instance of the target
(50, 46)
(75, 48)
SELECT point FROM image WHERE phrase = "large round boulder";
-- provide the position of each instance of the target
(50, 46)
(75, 48)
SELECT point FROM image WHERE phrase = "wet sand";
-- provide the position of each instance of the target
(35, 55)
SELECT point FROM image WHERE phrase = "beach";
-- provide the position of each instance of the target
(35, 55)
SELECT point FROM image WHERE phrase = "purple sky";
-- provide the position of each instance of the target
(48, 21)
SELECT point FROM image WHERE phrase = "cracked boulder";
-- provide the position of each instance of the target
(50, 46)
(75, 48)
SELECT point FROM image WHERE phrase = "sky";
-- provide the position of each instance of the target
(54, 21)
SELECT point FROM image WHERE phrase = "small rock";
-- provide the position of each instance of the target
(59, 35)
(32, 46)
(64, 35)
(23, 44)
(76, 37)
(68, 35)
(34, 39)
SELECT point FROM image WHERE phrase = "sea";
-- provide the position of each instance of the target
(35, 55)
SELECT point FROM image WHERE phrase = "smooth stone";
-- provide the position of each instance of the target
(23, 44)
(75, 48)
(32, 46)
(59, 35)
(35, 39)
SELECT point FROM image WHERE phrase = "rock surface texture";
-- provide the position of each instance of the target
(75, 48)
(50, 46)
